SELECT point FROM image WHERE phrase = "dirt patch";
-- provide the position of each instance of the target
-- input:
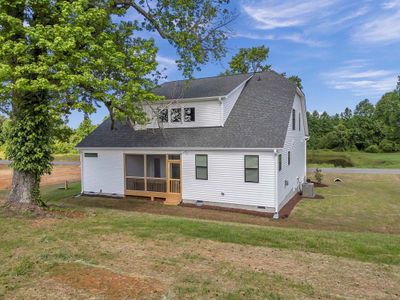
(41, 215)
(59, 175)
(44, 222)
(108, 284)
(227, 264)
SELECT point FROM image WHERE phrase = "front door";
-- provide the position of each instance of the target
(174, 176)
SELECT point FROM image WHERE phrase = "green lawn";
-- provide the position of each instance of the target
(329, 158)
(353, 232)
(57, 157)
(66, 157)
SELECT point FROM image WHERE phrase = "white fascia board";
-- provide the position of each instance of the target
(178, 149)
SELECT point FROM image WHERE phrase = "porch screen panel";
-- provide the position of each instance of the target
(135, 165)
(134, 169)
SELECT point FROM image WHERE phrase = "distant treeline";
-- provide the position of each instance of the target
(370, 128)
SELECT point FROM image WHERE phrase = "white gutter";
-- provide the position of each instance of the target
(191, 99)
(276, 214)
(176, 149)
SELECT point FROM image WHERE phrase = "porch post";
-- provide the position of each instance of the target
(168, 173)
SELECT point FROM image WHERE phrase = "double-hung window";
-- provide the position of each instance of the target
(201, 166)
(163, 115)
(176, 115)
(189, 114)
(251, 168)
(294, 119)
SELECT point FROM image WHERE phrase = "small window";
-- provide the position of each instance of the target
(299, 123)
(251, 168)
(163, 116)
(288, 158)
(280, 162)
(294, 119)
(201, 166)
(176, 115)
(189, 114)
(91, 155)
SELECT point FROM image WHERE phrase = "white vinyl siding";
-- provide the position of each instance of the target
(295, 143)
(104, 173)
(226, 183)
(207, 114)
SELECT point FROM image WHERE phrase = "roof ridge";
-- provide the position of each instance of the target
(208, 77)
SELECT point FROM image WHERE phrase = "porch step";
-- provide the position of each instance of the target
(169, 201)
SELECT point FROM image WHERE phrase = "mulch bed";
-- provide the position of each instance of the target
(316, 184)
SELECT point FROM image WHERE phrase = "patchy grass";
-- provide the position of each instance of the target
(329, 158)
(67, 157)
(362, 202)
(130, 253)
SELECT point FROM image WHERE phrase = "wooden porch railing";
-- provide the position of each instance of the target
(157, 184)
(175, 186)
(153, 184)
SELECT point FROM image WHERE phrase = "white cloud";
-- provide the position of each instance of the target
(166, 63)
(384, 28)
(271, 14)
(391, 4)
(297, 38)
(360, 80)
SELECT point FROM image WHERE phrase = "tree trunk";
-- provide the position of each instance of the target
(25, 188)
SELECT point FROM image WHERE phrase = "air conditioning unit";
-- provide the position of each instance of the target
(308, 190)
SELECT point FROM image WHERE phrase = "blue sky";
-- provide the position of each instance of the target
(344, 51)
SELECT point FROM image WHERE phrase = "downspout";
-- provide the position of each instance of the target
(276, 214)
(81, 161)
(305, 157)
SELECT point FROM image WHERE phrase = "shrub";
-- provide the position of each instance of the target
(318, 175)
(388, 146)
(372, 149)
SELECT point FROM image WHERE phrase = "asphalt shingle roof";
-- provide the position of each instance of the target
(202, 87)
(259, 119)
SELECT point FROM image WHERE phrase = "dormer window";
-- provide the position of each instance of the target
(163, 116)
(176, 115)
(189, 114)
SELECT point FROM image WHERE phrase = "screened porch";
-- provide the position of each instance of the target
(153, 175)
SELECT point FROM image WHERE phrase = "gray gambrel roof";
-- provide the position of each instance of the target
(259, 119)
(201, 88)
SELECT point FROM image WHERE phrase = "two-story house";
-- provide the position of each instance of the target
(234, 141)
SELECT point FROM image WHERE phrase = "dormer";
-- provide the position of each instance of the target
(205, 102)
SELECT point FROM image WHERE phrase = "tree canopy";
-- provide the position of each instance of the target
(252, 60)
(59, 55)
(249, 60)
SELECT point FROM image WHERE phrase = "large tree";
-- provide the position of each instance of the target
(249, 60)
(60, 55)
